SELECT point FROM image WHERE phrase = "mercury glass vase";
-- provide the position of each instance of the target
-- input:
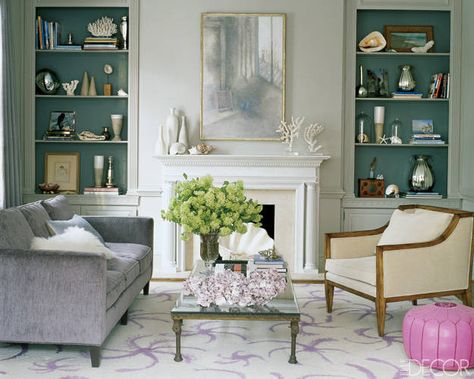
(422, 178)
(209, 251)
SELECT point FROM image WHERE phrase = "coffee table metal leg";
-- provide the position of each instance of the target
(295, 328)
(177, 323)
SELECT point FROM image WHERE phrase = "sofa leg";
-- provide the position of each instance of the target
(414, 302)
(124, 318)
(95, 355)
(467, 298)
(380, 308)
(146, 289)
(329, 289)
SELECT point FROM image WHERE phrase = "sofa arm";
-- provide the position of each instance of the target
(345, 245)
(52, 297)
(124, 229)
(441, 265)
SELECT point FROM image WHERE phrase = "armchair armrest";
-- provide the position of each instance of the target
(52, 297)
(441, 265)
(124, 229)
(345, 245)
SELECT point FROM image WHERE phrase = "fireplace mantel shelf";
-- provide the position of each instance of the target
(214, 160)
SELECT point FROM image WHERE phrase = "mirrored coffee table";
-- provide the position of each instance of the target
(284, 307)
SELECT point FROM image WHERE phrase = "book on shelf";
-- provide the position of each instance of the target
(47, 33)
(68, 47)
(423, 195)
(101, 191)
(407, 95)
(427, 136)
(427, 142)
(440, 86)
(99, 47)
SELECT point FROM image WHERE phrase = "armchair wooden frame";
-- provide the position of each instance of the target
(464, 294)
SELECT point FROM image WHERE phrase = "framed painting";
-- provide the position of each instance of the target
(242, 75)
(403, 37)
(62, 169)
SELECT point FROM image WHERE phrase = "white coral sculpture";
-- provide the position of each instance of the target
(102, 27)
(310, 134)
(290, 131)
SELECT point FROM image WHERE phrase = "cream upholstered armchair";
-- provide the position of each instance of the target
(422, 252)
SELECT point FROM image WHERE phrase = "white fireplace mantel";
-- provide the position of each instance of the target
(258, 172)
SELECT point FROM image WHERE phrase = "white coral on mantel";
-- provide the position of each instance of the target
(102, 27)
(310, 134)
(290, 131)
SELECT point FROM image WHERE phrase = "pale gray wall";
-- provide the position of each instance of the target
(170, 72)
(467, 109)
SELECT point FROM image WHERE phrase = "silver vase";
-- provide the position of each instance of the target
(422, 178)
(406, 81)
(124, 31)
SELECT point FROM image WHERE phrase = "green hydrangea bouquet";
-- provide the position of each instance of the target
(201, 208)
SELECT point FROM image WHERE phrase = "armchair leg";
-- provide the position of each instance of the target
(95, 355)
(414, 302)
(380, 308)
(146, 289)
(329, 289)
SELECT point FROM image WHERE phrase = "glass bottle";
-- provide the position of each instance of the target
(106, 133)
(396, 137)
(363, 128)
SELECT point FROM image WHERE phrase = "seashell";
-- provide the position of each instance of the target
(372, 42)
(253, 241)
(177, 148)
(194, 151)
(204, 149)
(121, 92)
(423, 49)
(392, 190)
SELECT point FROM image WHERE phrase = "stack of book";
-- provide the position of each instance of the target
(100, 43)
(440, 86)
(257, 262)
(423, 195)
(101, 191)
(48, 34)
(426, 139)
(404, 95)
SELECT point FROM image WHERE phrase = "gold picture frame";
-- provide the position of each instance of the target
(403, 37)
(243, 76)
(63, 169)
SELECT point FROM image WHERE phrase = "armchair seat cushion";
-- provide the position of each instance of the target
(360, 269)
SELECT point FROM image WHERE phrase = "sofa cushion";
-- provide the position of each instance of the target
(141, 253)
(116, 284)
(59, 226)
(361, 269)
(37, 217)
(15, 232)
(58, 208)
(129, 267)
(411, 226)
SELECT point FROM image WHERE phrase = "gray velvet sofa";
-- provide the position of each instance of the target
(69, 298)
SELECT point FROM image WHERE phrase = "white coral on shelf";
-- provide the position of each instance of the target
(102, 27)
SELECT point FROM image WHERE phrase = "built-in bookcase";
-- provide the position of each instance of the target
(92, 112)
(395, 161)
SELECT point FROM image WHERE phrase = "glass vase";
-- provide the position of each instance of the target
(209, 251)
(363, 128)
(396, 137)
(422, 178)
(406, 82)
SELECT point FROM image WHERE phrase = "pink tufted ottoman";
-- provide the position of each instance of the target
(440, 335)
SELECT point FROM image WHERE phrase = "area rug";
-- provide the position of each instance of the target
(343, 344)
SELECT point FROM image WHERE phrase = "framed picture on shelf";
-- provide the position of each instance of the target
(242, 75)
(62, 121)
(63, 169)
(403, 37)
(422, 126)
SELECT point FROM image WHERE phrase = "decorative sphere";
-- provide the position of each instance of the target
(47, 81)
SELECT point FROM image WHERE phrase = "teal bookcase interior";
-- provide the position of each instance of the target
(396, 162)
(92, 113)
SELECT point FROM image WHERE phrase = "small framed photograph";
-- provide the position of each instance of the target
(371, 187)
(422, 126)
(403, 37)
(62, 121)
(63, 169)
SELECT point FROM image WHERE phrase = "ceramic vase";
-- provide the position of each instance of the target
(183, 133)
(160, 146)
(92, 89)
(98, 170)
(85, 84)
(117, 122)
(172, 127)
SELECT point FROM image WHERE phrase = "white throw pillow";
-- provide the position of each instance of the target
(412, 227)
(73, 239)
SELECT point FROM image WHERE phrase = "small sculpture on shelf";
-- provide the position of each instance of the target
(202, 148)
(49, 188)
(310, 134)
(108, 70)
(110, 175)
(122, 92)
(290, 131)
(103, 27)
(70, 87)
(177, 148)
(86, 135)
(423, 49)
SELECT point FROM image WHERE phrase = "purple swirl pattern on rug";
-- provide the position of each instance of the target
(344, 344)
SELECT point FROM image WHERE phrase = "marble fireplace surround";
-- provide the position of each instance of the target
(289, 182)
